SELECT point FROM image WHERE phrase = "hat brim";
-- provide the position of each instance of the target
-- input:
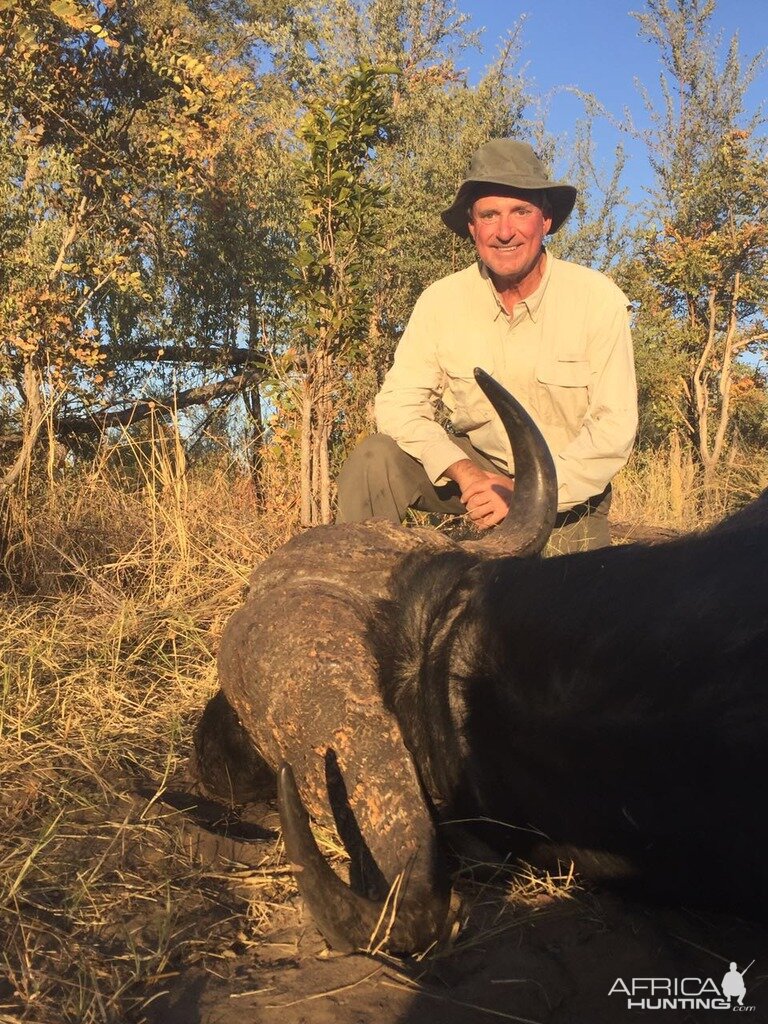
(562, 199)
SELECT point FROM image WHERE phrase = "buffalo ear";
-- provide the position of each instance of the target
(224, 760)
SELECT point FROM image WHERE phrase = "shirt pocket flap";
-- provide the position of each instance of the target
(564, 373)
(465, 400)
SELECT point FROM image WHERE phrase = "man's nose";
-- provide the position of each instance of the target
(505, 229)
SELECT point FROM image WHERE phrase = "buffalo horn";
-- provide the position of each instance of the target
(531, 516)
(347, 920)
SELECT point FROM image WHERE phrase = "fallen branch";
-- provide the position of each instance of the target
(181, 354)
(95, 423)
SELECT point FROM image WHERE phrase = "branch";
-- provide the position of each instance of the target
(726, 376)
(93, 424)
(68, 239)
(93, 291)
(699, 384)
(178, 354)
(749, 340)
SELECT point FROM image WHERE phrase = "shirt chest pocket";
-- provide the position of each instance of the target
(562, 392)
(468, 406)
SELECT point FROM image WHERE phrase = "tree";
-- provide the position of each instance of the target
(334, 261)
(707, 259)
(115, 119)
(597, 233)
(118, 201)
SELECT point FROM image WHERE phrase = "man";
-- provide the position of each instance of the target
(555, 334)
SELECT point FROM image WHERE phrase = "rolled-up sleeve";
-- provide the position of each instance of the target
(405, 406)
(601, 448)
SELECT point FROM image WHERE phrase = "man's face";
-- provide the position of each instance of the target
(507, 231)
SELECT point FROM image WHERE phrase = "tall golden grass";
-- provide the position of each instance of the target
(118, 585)
(664, 487)
(119, 578)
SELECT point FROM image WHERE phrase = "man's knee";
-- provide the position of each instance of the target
(368, 458)
(371, 480)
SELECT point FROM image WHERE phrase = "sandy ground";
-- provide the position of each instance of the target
(538, 959)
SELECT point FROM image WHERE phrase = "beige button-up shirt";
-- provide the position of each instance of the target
(565, 353)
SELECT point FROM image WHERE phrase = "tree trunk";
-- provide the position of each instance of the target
(700, 391)
(252, 399)
(325, 420)
(306, 451)
(726, 375)
(32, 422)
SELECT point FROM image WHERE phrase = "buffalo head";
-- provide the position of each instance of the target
(303, 664)
(609, 707)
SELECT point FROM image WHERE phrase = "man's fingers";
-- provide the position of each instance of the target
(485, 518)
(499, 486)
(488, 509)
(478, 499)
(487, 499)
(476, 487)
(490, 495)
(483, 491)
(478, 512)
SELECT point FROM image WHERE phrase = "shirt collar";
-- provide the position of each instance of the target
(531, 304)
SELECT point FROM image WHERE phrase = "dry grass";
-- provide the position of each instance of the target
(107, 644)
(119, 581)
(664, 488)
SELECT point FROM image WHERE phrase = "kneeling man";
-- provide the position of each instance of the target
(554, 333)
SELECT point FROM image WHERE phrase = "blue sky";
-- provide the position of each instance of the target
(594, 44)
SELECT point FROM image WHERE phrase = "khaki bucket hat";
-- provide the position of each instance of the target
(512, 164)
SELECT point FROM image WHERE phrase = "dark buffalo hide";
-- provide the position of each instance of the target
(608, 707)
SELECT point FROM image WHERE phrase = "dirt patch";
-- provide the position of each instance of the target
(153, 906)
(546, 960)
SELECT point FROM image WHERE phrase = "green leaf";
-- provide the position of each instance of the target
(69, 13)
(303, 258)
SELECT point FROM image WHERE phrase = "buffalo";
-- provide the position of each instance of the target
(608, 708)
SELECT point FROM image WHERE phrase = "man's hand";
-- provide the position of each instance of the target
(486, 495)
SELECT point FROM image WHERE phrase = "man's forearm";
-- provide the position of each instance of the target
(463, 473)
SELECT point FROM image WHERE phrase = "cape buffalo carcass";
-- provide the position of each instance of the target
(609, 707)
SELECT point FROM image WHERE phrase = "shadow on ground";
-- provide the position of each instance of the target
(554, 962)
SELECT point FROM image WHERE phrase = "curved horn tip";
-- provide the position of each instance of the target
(294, 816)
(496, 393)
(347, 920)
(286, 780)
(286, 777)
(531, 516)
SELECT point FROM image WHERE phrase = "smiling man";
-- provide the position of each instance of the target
(553, 333)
